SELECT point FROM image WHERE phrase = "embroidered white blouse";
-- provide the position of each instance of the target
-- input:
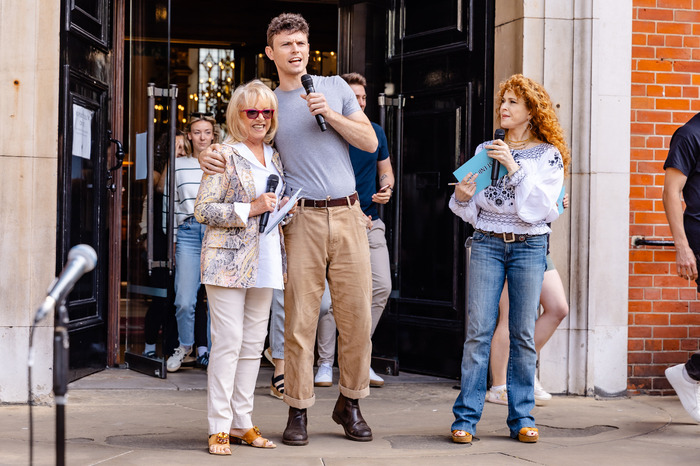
(523, 203)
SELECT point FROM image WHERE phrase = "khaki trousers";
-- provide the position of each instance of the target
(327, 243)
(238, 328)
(381, 289)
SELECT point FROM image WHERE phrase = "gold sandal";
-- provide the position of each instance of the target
(457, 436)
(222, 438)
(251, 436)
(528, 435)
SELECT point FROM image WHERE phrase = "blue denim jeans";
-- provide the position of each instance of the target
(187, 277)
(492, 262)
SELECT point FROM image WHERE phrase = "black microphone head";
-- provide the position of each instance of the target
(308, 83)
(500, 133)
(272, 182)
(86, 253)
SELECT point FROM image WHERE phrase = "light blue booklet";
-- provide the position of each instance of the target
(560, 201)
(481, 164)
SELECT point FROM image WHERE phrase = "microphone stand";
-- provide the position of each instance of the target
(60, 377)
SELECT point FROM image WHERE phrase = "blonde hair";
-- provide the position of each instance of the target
(544, 122)
(243, 98)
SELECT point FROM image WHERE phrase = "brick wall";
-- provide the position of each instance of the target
(664, 310)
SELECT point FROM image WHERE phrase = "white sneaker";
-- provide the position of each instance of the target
(500, 396)
(324, 376)
(374, 379)
(175, 361)
(688, 391)
(541, 395)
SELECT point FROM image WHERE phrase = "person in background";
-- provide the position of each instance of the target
(554, 309)
(240, 266)
(682, 178)
(374, 181)
(509, 243)
(202, 131)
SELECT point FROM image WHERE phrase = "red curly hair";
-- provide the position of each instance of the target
(545, 124)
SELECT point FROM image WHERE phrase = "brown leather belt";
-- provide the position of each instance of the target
(506, 237)
(323, 203)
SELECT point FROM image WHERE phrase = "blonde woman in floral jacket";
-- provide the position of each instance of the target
(240, 266)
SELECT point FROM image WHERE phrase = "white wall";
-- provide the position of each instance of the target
(580, 50)
(29, 83)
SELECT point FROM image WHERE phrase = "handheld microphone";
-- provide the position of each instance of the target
(308, 84)
(81, 259)
(496, 167)
(272, 182)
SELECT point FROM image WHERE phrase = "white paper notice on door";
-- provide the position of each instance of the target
(82, 131)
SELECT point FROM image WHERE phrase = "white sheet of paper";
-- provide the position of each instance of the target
(141, 156)
(82, 131)
(279, 215)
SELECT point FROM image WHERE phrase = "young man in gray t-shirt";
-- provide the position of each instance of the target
(326, 238)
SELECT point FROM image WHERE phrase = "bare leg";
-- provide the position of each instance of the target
(279, 366)
(500, 343)
(554, 308)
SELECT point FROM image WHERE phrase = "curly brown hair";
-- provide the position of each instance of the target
(545, 124)
(288, 23)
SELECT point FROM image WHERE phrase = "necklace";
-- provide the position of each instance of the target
(518, 145)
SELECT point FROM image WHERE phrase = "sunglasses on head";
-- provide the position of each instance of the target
(253, 113)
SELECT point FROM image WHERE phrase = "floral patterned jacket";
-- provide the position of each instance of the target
(230, 247)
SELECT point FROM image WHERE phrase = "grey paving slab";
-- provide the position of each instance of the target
(119, 417)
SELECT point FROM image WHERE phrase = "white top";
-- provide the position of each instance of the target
(523, 203)
(269, 252)
(188, 176)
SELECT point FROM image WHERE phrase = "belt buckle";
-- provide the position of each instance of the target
(512, 237)
(327, 200)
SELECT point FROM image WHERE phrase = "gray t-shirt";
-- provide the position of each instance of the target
(316, 161)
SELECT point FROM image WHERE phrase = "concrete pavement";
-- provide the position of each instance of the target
(120, 417)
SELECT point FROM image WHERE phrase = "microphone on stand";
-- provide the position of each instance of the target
(496, 167)
(308, 84)
(81, 259)
(272, 182)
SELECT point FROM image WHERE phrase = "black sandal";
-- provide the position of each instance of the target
(277, 387)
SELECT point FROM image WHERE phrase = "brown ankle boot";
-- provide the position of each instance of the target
(347, 414)
(295, 433)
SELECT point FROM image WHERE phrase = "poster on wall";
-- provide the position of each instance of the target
(82, 131)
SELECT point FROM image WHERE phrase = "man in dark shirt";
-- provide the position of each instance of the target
(683, 176)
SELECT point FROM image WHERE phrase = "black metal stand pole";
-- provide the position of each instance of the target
(60, 378)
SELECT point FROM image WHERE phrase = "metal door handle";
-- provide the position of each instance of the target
(119, 155)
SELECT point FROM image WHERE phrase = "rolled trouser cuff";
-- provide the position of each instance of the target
(354, 394)
(300, 404)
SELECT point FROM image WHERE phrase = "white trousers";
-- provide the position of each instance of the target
(238, 328)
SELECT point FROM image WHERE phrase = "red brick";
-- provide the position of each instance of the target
(643, 103)
(639, 358)
(636, 294)
(668, 357)
(651, 167)
(690, 344)
(639, 39)
(654, 90)
(695, 105)
(637, 192)
(672, 104)
(645, 77)
(673, 91)
(666, 129)
(682, 117)
(638, 332)
(643, 26)
(654, 116)
(652, 294)
(686, 294)
(662, 231)
(669, 294)
(641, 205)
(672, 53)
(670, 332)
(694, 306)
(658, 205)
(641, 230)
(654, 192)
(656, 142)
(670, 281)
(649, 370)
(656, 40)
(641, 128)
(694, 332)
(639, 51)
(686, 16)
(651, 319)
(639, 306)
(641, 154)
(664, 256)
(691, 42)
(691, 92)
(671, 345)
(650, 268)
(674, 41)
(686, 66)
(641, 255)
(683, 4)
(641, 179)
(639, 90)
(655, 14)
(673, 28)
(649, 217)
(685, 319)
(670, 78)
(635, 345)
(634, 384)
